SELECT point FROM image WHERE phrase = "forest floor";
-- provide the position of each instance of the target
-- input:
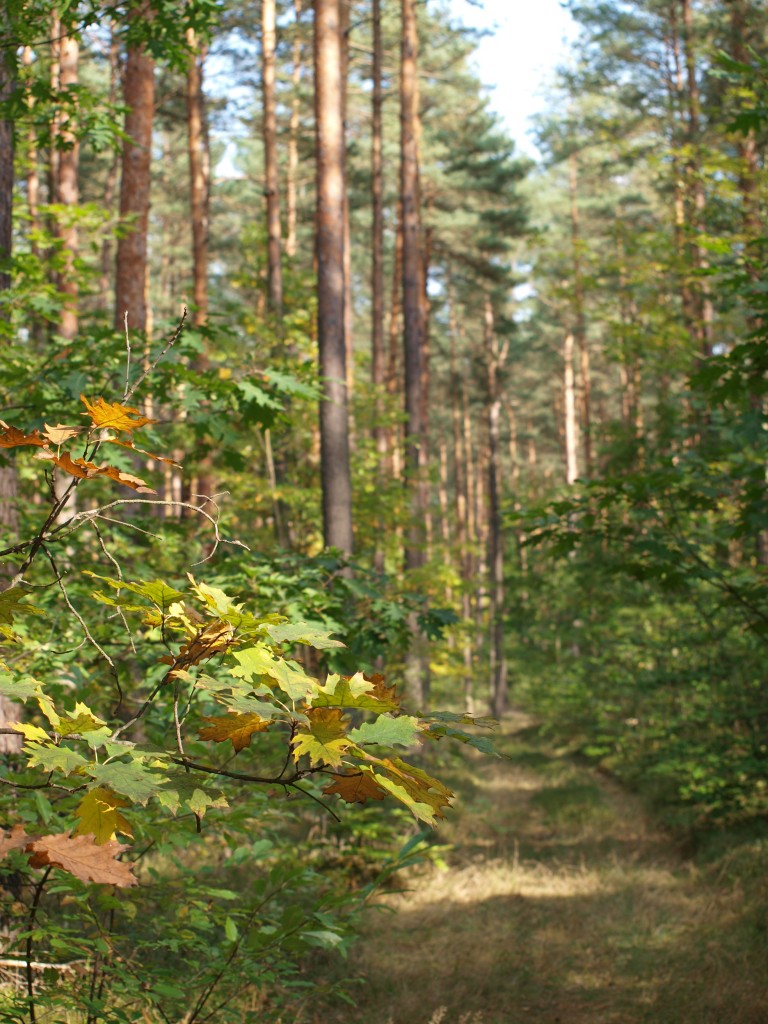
(560, 902)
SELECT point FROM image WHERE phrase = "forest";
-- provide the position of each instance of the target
(383, 517)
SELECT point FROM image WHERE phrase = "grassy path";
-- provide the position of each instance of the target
(563, 905)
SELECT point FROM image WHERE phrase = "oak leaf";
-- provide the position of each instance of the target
(215, 638)
(127, 479)
(140, 451)
(99, 815)
(237, 728)
(113, 415)
(60, 433)
(12, 437)
(327, 738)
(80, 468)
(82, 857)
(357, 787)
(13, 840)
(351, 692)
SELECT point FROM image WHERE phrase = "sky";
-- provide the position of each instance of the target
(529, 40)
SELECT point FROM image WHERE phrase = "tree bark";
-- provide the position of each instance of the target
(272, 185)
(378, 370)
(417, 658)
(66, 190)
(293, 136)
(344, 28)
(9, 523)
(495, 357)
(199, 180)
(334, 422)
(131, 270)
(579, 326)
(569, 413)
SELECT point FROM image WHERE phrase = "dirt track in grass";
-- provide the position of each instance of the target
(560, 904)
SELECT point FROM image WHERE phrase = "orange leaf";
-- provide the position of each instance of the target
(238, 728)
(12, 437)
(87, 470)
(60, 433)
(356, 788)
(140, 451)
(75, 467)
(382, 692)
(83, 858)
(127, 480)
(114, 415)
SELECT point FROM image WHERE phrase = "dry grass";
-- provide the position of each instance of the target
(562, 904)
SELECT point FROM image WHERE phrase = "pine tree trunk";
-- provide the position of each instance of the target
(704, 309)
(110, 185)
(334, 422)
(9, 523)
(131, 271)
(495, 358)
(271, 184)
(293, 137)
(579, 327)
(344, 26)
(67, 192)
(417, 658)
(569, 418)
(378, 370)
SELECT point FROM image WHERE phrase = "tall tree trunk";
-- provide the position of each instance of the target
(199, 179)
(704, 309)
(131, 271)
(569, 413)
(417, 659)
(32, 173)
(272, 185)
(9, 522)
(334, 419)
(344, 26)
(199, 200)
(495, 358)
(293, 136)
(110, 185)
(67, 192)
(378, 369)
(579, 326)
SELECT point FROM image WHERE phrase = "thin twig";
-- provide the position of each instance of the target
(31, 927)
(127, 358)
(148, 369)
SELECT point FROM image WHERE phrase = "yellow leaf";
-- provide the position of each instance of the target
(237, 728)
(99, 815)
(31, 732)
(114, 415)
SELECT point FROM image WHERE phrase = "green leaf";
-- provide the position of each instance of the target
(156, 591)
(388, 731)
(355, 692)
(81, 720)
(230, 930)
(10, 605)
(131, 779)
(61, 759)
(327, 740)
(187, 788)
(301, 633)
(258, 662)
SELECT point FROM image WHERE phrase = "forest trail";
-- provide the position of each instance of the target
(561, 904)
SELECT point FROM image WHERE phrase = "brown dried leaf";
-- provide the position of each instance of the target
(113, 415)
(12, 437)
(238, 728)
(356, 788)
(13, 840)
(215, 638)
(382, 692)
(82, 857)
